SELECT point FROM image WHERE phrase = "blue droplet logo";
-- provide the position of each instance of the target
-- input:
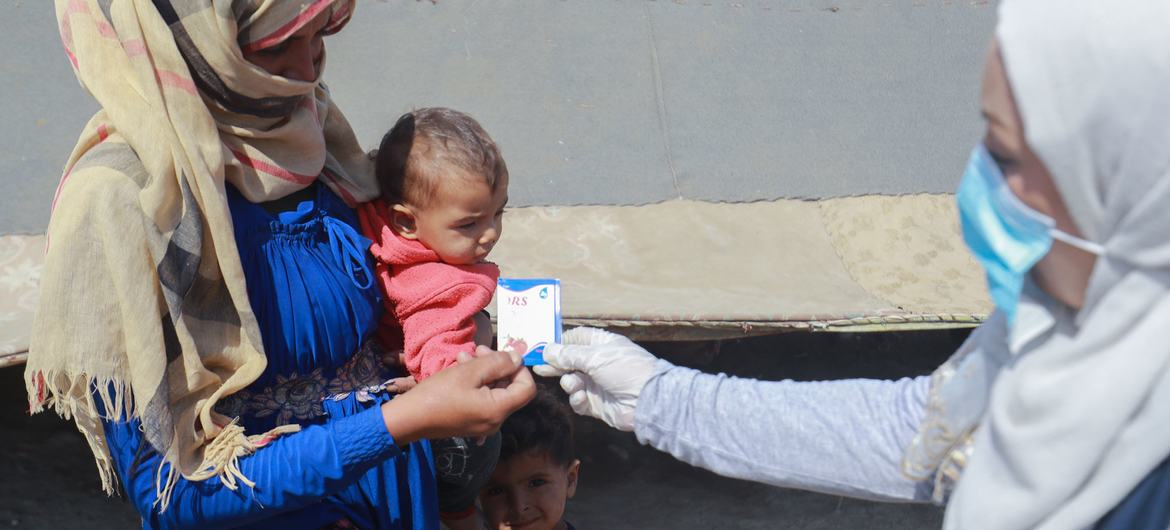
(544, 293)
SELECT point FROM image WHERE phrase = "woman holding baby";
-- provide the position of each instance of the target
(207, 299)
(1055, 413)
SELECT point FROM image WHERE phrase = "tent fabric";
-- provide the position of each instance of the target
(637, 102)
(615, 103)
(700, 270)
(727, 167)
(20, 270)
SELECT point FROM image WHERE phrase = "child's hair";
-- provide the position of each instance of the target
(544, 425)
(411, 159)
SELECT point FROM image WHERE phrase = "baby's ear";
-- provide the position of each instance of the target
(402, 221)
(571, 479)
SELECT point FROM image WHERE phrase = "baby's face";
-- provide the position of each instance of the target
(528, 492)
(463, 220)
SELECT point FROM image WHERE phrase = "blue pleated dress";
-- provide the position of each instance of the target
(311, 285)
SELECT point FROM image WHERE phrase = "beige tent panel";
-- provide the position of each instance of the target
(697, 270)
(906, 251)
(20, 270)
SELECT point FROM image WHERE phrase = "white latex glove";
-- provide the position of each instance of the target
(602, 372)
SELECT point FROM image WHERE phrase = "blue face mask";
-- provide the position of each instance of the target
(1006, 236)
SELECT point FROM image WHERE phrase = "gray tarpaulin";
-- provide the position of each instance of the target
(623, 105)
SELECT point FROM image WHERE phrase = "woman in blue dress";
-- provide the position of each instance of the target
(208, 304)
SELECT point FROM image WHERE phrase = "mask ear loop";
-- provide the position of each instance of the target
(1088, 246)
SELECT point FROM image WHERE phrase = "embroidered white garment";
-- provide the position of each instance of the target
(1068, 417)
(961, 388)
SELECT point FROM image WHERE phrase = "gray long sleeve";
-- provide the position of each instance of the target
(841, 437)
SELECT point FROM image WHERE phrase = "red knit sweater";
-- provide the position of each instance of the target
(430, 305)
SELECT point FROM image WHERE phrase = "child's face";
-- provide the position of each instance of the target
(462, 221)
(528, 492)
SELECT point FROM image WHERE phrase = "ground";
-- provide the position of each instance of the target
(48, 479)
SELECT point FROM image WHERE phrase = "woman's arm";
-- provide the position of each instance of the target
(841, 437)
(300, 469)
(292, 472)
(471, 398)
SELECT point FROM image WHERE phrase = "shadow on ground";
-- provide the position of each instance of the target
(48, 479)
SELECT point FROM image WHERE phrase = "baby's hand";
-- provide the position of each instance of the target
(516, 346)
(397, 361)
(399, 385)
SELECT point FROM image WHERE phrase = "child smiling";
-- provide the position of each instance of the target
(537, 471)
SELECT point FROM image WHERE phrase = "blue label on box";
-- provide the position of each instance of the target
(535, 356)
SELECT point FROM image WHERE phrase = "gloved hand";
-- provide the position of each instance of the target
(602, 372)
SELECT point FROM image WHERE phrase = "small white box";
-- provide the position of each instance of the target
(528, 313)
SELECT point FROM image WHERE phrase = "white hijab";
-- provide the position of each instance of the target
(1051, 423)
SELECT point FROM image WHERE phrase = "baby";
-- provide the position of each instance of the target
(537, 471)
(444, 187)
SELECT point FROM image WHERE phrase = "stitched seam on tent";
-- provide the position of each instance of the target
(841, 260)
(660, 103)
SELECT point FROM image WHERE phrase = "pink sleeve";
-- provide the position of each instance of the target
(442, 327)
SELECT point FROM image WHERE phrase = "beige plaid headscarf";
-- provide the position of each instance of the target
(143, 303)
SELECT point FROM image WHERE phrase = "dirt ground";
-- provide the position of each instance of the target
(48, 480)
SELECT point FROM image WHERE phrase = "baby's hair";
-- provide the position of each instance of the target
(544, 425)
(412, 158)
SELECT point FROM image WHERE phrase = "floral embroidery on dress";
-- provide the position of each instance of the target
(364, 369)
(298, 397)
(292, 397)
(363, 376)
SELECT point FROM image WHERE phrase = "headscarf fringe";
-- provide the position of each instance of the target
(71, 396)
(221, 458)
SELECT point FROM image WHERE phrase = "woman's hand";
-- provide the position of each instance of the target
(470, 398)
(602, 372)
